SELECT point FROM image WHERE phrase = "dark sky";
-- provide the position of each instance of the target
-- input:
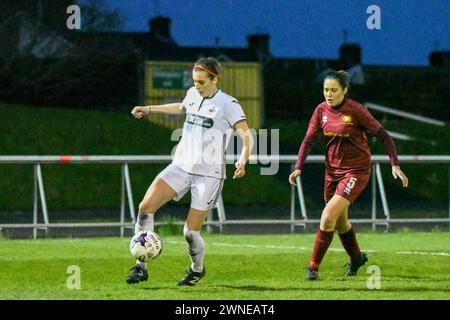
(410, 29)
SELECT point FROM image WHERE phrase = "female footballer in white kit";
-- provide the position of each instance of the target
(198, 164)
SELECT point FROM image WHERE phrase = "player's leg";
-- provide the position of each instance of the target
(169, 184)
(159, 193)
(343, 225)
(335, 207)
(205, 192)
(156, 196)
(196, 246)
(351, 188)
(347, 236)
(323, 239)
(348, 239)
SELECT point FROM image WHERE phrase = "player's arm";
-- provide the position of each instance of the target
(372, 125)
(389, 145)
(305, 147)
(169, 108)
(244, 132)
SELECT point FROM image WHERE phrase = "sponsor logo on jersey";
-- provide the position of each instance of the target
(324, 119)
(199, 120)
(347, 119)
(333, 134)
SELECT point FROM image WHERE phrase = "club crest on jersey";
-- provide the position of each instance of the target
(347, 119)
(212, 108)
(324, 119)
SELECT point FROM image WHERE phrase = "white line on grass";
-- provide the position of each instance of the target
(254, 246)
(425, 253)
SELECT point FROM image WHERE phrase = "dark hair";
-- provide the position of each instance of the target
(211, 64)
(340, 76)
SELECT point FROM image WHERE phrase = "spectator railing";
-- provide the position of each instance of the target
(127, 194)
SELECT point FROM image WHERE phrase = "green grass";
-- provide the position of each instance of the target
(238, 266)
(29, 130)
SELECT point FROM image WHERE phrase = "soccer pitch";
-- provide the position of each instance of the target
(412, 265)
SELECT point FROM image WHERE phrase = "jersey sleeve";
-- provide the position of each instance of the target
(234, 112)
(186, 97)
(389, 145)
(311, 135)
(367, 122)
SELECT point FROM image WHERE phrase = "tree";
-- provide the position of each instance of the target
(96, 16)
(47, 63)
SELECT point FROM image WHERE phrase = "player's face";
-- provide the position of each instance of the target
(202, 82)
(333, 92)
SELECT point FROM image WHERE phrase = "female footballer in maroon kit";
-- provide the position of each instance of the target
(344, 123)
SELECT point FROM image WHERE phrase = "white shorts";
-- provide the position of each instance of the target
(205, 191)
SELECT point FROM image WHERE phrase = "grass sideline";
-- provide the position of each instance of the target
(413, 265)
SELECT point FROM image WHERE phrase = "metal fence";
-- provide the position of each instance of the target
(127, 194)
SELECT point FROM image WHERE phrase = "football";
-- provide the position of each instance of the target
(146, 245)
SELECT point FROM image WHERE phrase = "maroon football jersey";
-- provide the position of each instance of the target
(345, 128)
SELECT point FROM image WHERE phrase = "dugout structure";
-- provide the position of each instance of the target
(168, 81)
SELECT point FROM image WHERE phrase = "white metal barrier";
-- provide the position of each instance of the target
(127, 195)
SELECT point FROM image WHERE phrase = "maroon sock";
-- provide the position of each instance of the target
(323, 241)
(350, 244)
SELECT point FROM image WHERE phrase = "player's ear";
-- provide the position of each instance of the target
(345, 91)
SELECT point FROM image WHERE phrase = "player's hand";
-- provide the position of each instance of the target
(240, 170)
(140, 111)
(398, 173)
(293, 176)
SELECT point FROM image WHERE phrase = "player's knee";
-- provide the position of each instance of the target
(146, 207)
(327, 223)
(142, 206)
(188, 235)
(327, 226)
(343, 227)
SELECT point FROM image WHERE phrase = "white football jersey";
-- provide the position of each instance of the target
(206, 132)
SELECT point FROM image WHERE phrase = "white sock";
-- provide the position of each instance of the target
(145, 222)
(196, 248)
(141, 264)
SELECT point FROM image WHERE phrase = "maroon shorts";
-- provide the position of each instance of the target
(349, 185)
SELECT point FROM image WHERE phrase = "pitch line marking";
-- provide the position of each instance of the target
(254, 246)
